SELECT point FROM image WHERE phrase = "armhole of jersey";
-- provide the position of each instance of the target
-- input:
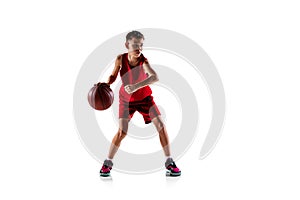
(143, 66)
(145, 60)
(121, 60)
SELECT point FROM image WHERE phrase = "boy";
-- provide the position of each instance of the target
(135, 95)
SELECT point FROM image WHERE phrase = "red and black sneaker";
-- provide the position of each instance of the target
(172, 169)
(106, 167)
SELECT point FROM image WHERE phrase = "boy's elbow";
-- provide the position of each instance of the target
(155, 78)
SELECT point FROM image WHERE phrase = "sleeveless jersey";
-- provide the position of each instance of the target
(131, 75)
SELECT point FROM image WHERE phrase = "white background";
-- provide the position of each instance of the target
(255, 46)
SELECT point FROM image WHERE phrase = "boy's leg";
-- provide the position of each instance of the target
(107, 165)
(163, 135)
(116, 141)
(172, 169)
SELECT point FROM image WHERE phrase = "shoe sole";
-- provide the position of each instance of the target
(168, 173)
(104, 175)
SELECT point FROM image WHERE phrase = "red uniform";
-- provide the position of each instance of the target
(141, 100)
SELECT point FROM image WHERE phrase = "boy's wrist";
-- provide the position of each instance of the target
(137, 86)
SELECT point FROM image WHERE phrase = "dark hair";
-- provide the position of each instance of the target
(134, 34)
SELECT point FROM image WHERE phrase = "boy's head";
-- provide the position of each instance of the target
(134, 43)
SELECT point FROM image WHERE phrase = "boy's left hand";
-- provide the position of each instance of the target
(130, 89)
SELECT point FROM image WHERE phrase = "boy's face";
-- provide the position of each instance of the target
(135, 46)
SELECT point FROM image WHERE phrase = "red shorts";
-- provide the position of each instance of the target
(146, 107)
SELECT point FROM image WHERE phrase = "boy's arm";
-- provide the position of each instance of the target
(115, 71)
(152, 78)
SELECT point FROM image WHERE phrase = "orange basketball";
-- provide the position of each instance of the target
(100, 96)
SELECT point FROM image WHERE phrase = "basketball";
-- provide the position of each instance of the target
(100, 96)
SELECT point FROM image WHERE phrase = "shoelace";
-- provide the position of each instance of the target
(173, 165)
(106, 167)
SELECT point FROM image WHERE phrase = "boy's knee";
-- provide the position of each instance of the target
(160, 125)
(121, 133)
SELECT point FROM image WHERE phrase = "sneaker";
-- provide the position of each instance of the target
(106, 167)
(172, 169)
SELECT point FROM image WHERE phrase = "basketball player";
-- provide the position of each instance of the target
(135, 95)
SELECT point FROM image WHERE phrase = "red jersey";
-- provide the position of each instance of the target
(131, 75)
